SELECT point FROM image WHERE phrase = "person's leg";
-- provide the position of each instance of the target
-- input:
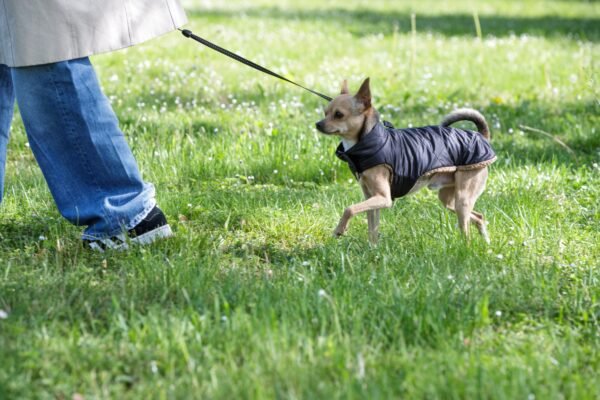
(75, 137)
(7, 105)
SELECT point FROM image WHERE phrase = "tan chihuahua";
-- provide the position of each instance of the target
(391, 163)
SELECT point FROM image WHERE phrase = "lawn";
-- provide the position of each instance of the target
(254, 298)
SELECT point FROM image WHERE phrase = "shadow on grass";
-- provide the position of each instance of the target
(567, 123)
(364, 22)
(23, 232)
(261, 279)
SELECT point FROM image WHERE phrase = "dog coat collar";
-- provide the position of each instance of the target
(367, 152)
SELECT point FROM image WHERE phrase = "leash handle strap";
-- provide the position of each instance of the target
(189, 34)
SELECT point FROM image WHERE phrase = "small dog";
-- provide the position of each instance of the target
(391, 163)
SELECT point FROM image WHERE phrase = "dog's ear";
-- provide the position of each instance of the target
(345, 89)
(364, 93)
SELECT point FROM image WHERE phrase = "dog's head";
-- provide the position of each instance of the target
(347, 115)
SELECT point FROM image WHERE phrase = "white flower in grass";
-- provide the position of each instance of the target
(500, 257)
(305, 263)
(42, 238)
(360, 361)
(322, 293)
(498, 313)
(3, 314)
(275, 171)
(450, 277)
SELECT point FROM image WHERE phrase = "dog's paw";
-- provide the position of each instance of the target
(339, 232)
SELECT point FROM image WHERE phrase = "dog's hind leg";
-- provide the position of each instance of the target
(448, 196)
(469, 186)
(481, 225)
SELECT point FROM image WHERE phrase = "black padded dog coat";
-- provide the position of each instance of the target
(416, 152)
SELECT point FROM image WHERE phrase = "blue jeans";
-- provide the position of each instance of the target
(75, 138)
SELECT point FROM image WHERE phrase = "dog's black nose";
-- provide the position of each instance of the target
(320, 125)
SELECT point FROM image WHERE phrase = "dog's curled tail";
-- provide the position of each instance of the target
(468, 114)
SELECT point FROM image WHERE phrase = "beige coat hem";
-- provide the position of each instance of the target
(36, 32)
(94, 52)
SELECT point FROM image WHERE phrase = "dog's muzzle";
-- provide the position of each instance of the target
(321, 127)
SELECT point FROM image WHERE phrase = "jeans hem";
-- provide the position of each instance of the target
(132, 224)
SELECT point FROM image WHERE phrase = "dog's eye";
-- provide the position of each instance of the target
(339, 115)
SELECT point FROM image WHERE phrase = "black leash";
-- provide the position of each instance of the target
(189, 34)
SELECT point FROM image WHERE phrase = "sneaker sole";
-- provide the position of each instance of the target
(147, 238)
(163, 232)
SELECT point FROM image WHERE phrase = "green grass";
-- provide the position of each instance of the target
(254, 298)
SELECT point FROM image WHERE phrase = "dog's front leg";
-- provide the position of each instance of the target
(373, 219)
(375, 183)
(373, 204)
